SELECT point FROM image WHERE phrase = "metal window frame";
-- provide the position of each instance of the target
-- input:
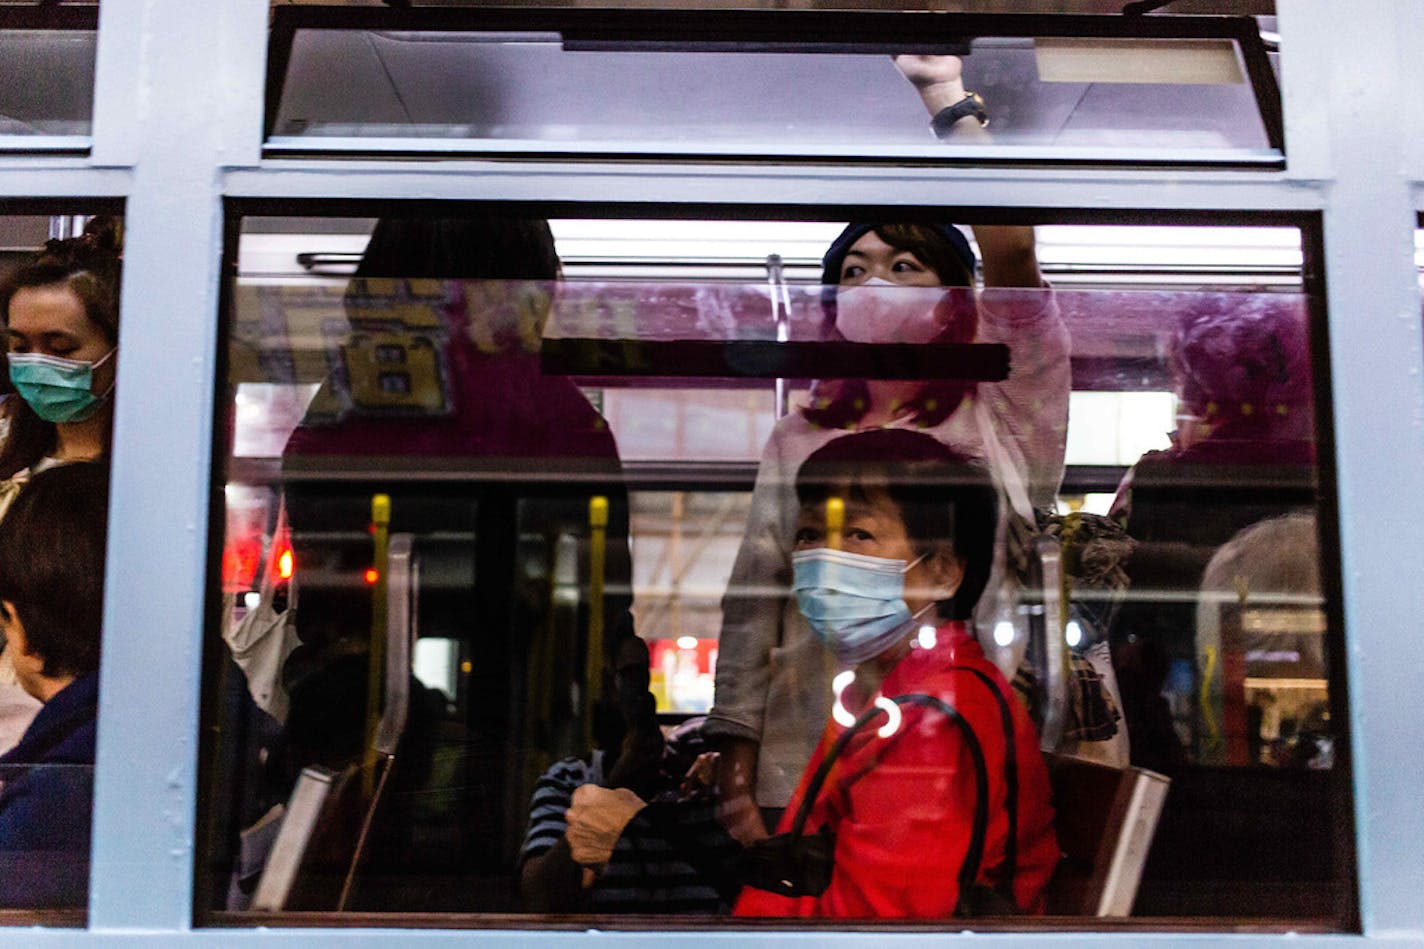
(1309, 225)
(178, 126)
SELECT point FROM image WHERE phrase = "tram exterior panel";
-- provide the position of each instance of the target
(452, 598)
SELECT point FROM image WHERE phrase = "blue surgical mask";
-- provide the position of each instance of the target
(58, 389)
(855, 603)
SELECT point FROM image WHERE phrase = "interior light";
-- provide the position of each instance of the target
(252, 600)
(286, 564)
(687, 642)
(1073, 634)
(839, 712)
(1004, 633)
(372, 575)
(892, 711)
(926, 639)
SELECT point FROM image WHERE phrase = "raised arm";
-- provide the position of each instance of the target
(1008, 253)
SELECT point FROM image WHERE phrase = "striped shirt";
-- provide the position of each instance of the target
(645, 873)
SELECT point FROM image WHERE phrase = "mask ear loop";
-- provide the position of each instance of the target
(112, 382)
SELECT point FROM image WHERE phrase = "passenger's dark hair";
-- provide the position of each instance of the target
(473, 248)
(52, 564)
(839, 403)
(89, 266)
(944, 497)
(941, 247)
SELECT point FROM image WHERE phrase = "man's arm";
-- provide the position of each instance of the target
(551, 882)
(736, 778)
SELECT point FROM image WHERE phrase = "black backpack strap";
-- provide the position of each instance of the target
(1011, 778)
(974, 856)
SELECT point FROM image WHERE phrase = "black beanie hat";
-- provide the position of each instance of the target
(835, 254)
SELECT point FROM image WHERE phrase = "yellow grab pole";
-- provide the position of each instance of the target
(835, 522)
(597, 553)
(375, 681)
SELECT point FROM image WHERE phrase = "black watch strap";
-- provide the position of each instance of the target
(945, 119)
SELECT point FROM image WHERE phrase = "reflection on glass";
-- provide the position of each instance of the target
(1157, 622)
(48, 96)
(543, 90)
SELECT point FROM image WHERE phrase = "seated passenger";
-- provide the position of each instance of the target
(588, 857)
(1243, 451)
(897, 799)
(891, 594)
(61, 318)
(51, 606)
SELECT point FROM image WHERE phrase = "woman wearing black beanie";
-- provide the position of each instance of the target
(894, 282)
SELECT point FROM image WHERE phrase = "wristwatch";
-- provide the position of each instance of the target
(944, 121)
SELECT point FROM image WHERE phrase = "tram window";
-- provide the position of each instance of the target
(48, 96)
(59, 312)
(755, 83)
(607, 430)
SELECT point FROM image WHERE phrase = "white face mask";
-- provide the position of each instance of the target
(878, 311)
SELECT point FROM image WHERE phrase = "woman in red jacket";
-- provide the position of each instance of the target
(891, 591)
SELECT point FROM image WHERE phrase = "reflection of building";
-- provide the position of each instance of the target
(1261, 631)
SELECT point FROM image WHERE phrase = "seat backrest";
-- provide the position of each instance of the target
(316, 844)
(1105, 819)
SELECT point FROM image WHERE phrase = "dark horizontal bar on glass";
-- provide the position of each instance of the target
(768, 359)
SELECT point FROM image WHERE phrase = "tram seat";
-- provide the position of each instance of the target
(1105, 818)
(316, 847)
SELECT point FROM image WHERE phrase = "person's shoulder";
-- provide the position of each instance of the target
(568, 772)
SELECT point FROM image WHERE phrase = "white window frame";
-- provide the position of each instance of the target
(178, 126)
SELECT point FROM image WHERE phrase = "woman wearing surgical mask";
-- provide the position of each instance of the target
(894, 543)
(61, 316)
(893, 283)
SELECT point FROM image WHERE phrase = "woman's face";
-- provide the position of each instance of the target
(875, 527)
(51, 320)
(870, 257)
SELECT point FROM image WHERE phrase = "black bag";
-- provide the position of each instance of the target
(794, 864)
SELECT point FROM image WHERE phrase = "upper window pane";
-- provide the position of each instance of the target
(47, 99)
(759, 84)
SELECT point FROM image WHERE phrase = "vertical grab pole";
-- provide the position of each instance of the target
(375, 682)
(597, 556)
(781, 318)
(835, 522)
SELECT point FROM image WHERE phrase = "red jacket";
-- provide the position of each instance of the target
(903, 825)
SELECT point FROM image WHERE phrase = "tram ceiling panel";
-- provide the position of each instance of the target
(764, 84)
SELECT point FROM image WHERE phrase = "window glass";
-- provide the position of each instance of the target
(469, 457)
(59, 309)
(755, 84)
(47, 100)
